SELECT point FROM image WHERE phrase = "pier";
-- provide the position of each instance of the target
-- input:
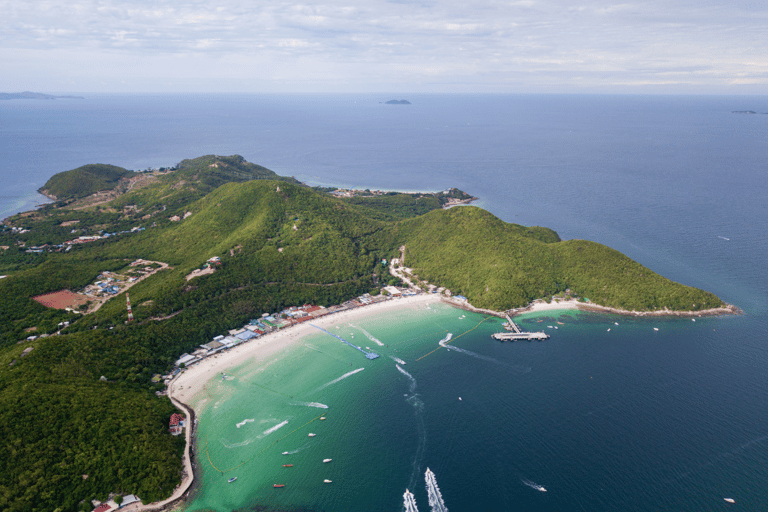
(368, 355)
(515, 333)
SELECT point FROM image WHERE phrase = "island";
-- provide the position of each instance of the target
(115, 287)
(27, 95)
(398, 102)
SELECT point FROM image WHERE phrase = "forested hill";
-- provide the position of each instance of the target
(78, 414)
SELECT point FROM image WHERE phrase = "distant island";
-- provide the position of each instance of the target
(398, 102)
(27, 95)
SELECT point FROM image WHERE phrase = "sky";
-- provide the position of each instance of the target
(439, 46)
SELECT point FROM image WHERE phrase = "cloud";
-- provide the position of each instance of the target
(490, 45)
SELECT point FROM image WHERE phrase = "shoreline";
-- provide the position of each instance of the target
(192, 381)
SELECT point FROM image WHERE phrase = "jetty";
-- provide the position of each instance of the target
(368, 355)
(515, 333)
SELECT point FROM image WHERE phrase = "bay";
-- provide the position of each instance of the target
(631, 418)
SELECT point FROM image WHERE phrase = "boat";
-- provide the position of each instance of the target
(286, 453)
(541, 488)
(326, 481)
(277, 486)
(287, 465)
(327, 460)
(322, 418)
(609, 330)
(232, 479)
(615, 323)
(655, 328)
(730, 500)
(311, 435)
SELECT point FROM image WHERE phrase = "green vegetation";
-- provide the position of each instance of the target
(280, 243)
(85, 180)
(499, 265)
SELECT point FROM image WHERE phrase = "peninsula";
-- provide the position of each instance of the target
(205, 247)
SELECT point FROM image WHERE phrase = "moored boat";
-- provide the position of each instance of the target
(327, 460)
(287, 465)
(730, 500)
(232, 479)
(277, 486)
(326, 481)
(311, 435)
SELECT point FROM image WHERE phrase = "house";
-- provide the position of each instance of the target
(104, 507)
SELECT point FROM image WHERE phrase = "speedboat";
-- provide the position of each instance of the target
(322, 418)
(311, 435)
(232, 479)
(730, 500)
(277, 486)
(655, 328)
(326, 481)
(327, 460)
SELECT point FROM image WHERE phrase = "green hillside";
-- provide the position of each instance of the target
(499, 266)
(84, 181)
(280, 243)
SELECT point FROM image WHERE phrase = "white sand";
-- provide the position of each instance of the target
(193, 379)
(544, 306)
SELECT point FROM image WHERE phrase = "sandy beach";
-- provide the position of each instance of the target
(194, 378)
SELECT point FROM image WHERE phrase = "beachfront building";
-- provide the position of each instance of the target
(176, 425)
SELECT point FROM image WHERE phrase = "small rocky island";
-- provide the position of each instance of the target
(398, 102)
(27, 95)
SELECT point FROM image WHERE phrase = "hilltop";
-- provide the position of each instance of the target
(78, 410)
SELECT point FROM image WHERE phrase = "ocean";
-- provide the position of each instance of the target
(631, 418)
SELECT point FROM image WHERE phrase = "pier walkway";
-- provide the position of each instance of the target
(368, 355)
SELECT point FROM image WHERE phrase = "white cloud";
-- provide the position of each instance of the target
(490, 45)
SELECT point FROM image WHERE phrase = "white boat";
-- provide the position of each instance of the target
(327, 460)
(609, 330)
(322, 418)
(311, 435)
(730, 500)
(232, 479)
(326, 481)
(655, 328)
(615, 323)
(286, 453)
(541, 488)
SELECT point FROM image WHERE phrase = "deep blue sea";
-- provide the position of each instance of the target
(631, 419)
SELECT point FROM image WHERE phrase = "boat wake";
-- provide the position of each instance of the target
(412, 388)
(533, 485)
(409, 502)
(273, 429)
(433, 493)
(249, 420)
(445, 340)
(397, 359)
(722, 237)
(414, 400)
(368, 335)
(334, 381)
(517, 368)
(311, 404)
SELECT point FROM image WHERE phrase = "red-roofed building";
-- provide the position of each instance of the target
(176, 423)
(102, 508)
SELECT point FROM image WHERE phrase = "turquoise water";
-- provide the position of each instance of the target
(631, 419)
(493, 420)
